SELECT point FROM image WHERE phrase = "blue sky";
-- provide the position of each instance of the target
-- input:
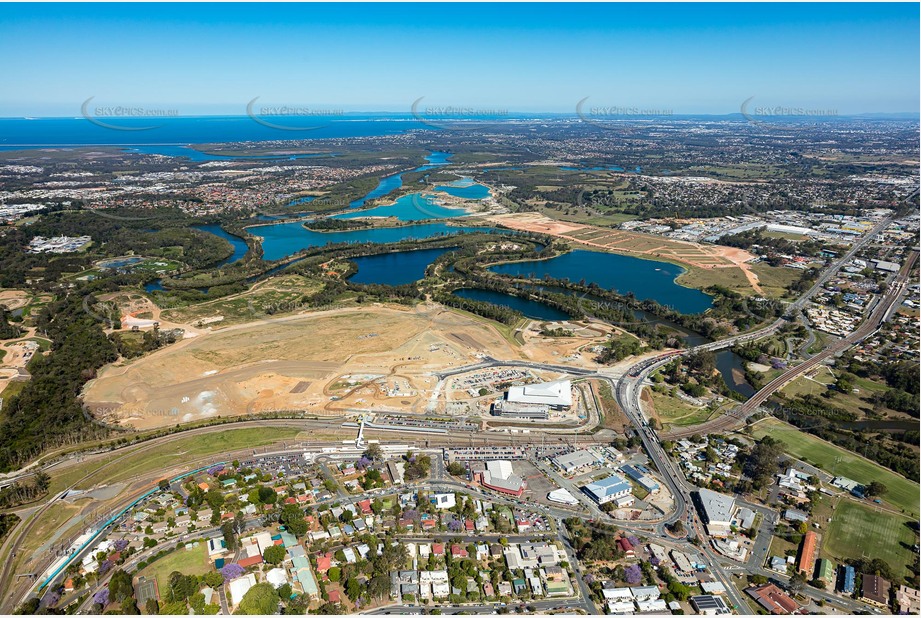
(686, 58)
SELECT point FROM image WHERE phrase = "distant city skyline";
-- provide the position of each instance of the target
(214, 59)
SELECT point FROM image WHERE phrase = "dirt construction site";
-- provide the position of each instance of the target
(327, 363)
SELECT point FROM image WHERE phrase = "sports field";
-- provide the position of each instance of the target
(187, 561)
(903, 494)
(857, 530)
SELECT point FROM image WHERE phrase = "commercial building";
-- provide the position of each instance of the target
(773, 599)
(709, 605)
(825, 570)
(807, 553)
(716, 510)
(642, 476)
(908, 601)
(575, 461)
(608, 489)
(511, 409)
(500, 477)
(555, 395)
(875, 590)
(846, 579)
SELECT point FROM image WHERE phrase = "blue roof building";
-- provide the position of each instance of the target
(847, 579)
(608, 489)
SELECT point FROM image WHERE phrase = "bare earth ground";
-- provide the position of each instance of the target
(633, 243)
(329, 363)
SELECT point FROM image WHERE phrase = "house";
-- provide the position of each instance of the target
(438, 549)
(772, 599)
(324, 562)
(626, 546)
(239, 587)
(519, 585)
(458, 551)
(795, 516)
(645, 593)
(443, 501)
(875, 590)
(277, 577)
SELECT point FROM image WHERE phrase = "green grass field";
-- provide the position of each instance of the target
(903, 494)
(675, 411)
(857, 530)
(165, 456)
(187, 561)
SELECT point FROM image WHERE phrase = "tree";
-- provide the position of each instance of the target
(267, 495)
(797, 583)
(230, 538)
(293, 519)
(274, 554)
(374, 452)
(120, 585)
(152, 607)
(129, 607)
(352, 589)
(334, 574)
(261, 599)
(875, 488)
(163, 484)
(456, 468)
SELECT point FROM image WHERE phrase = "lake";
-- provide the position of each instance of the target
(239, 245)
(397, 268)
(529, 308)
(646, 279)
(412, 207)
(465, 188)
(283, 239)
(389, 184)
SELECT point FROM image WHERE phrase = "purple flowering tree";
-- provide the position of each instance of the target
(121, 544)
(455, 525)
(104, 567)
(633, 574)
(634, 541)
(101, 597)
(362, 463)
(232, 571)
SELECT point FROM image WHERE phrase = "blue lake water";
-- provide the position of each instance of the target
(528, 308)
(397, 268)
(284, 239)
(239, 245)
(466, 189)
(389, 184)
(411, 207)
(646, 279)
(121, 262)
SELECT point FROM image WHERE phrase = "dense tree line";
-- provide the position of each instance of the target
(7, 330)
(48, 411)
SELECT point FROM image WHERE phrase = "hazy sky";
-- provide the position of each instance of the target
(685, 58)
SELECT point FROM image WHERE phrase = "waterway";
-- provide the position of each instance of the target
(389, 184)
(284, 239)
(645, 279)
(529, 308)
(399, 268)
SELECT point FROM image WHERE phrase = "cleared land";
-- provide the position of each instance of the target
(902, 494)
(263, 366)
(857, 530)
